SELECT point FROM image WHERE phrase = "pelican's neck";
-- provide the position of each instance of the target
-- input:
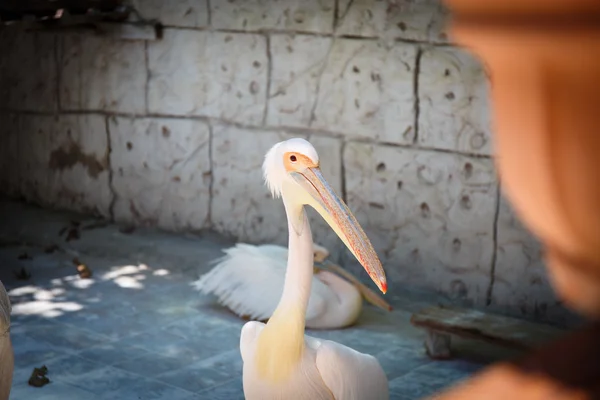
(299, 271)
(281, 344)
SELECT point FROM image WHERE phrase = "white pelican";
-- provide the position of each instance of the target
(280, 362)
(7, 360)
(248, 280)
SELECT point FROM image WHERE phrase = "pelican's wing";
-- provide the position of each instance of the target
(274, 251)
(246, 280)
(249, 281)
(349, 374)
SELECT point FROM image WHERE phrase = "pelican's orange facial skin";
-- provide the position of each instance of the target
(294, 162)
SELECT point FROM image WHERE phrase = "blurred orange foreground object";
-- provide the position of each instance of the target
(568, 369)
(544, 60)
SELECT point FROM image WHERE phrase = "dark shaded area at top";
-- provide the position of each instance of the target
(14, 10)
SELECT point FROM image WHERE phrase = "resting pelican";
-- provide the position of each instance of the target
(249, 281)
(280, 362)
(7, 360)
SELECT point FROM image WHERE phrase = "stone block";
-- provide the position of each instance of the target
(430, 215)
(420, 383)
(422, 20)
(368, 342)
(241, 204)
(66, 340)
(366, 91)
(112, 353)
(521, 283)
(161, 171)
(300, 16)
(145, 388)
(151, 365)
(63, 162)
(206, 374)
(29, 352)
(232, 390)
(28, 73)
(297, 64)
(71, 367)
(181, 13)
(98, 73)
(412, 358)
(211, 74)
(56, 390)
(113, 383)
(455, 111)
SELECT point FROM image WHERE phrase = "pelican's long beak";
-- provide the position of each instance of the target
(340, 218)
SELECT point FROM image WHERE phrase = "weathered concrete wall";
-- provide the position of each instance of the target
(172, 133)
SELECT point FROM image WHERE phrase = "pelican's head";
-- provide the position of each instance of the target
(291, 170)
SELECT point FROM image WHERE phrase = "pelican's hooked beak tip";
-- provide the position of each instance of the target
(383, 287)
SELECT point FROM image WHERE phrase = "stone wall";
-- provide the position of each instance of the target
(172, 133)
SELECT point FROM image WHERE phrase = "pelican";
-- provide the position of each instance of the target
(248, 280)
(279, 361)
(7, 360)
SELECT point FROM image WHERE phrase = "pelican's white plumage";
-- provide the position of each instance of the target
(249, 281)
(280, 362)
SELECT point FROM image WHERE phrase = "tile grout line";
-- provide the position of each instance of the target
(134, 374)
(219, 385)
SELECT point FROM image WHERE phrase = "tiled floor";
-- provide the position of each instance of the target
(137, 330)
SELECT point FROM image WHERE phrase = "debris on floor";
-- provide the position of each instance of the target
(22, 274)
(51, 249)
(95, 225)
(73, 234)
(82, 269)
(127, 229)
(38, 377)
(72, 231)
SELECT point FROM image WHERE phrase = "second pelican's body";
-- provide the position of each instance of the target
(249, 281)
(280, 362)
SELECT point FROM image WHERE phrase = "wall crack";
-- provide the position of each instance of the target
(417, 104)
(490, 290)
(113, 200)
